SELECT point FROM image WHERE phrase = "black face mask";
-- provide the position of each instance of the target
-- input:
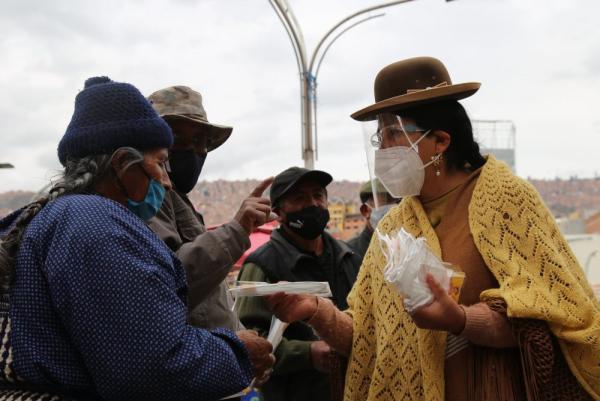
(186, 166)
(309, 222)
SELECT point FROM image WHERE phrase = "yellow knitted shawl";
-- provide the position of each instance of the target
(539, 278)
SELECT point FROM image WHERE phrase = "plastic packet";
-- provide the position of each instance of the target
(257, 289)
(276, 332)
(274, 337)
(408, 261)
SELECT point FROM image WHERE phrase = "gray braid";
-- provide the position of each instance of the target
(79, 177)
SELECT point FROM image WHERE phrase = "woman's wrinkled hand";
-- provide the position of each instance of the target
(261, 356)
(320, 355)
(442, 314)
(292, 307)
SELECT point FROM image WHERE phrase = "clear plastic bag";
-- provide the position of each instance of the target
(408, 260)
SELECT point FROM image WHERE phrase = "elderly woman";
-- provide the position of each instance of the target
(93, 303)
(526, 325)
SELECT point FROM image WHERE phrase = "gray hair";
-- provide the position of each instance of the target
(80, 176)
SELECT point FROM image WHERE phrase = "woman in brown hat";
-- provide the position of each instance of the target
(526, 325)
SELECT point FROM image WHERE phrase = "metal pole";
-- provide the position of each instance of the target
(316, 74)
(308, 79)
(300, 53)
(288, 20)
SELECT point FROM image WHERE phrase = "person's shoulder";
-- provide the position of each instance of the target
(265, 250)
(498, 181)
(92, 215)
(90, 208)
(81, 203)
(251, 271)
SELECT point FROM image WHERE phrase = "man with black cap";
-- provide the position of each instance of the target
(299, 250)
(207, 255)
(373, 208)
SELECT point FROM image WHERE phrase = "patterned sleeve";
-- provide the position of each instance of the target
(121, 300)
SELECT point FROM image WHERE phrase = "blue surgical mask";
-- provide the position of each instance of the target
(150, 205)
(378, 213)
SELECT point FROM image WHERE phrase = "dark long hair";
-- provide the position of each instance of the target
(450, 116)
(79, 177)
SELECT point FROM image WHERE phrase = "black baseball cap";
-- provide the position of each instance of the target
(285, 181)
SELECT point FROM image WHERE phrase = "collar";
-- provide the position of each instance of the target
(293, 255)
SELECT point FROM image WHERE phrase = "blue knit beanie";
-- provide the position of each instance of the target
(109, 115)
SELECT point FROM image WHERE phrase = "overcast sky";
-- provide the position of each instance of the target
(538, 62)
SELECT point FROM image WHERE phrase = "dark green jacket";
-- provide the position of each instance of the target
(294, 378)
(360, 243)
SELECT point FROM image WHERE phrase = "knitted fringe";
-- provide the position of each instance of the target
(547, 376)
(493, 375)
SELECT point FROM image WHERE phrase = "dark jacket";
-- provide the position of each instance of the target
(294, 378)
(360, 243)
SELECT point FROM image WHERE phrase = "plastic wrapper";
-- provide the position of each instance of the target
(257, 289)
(275, 336)
(408, 261)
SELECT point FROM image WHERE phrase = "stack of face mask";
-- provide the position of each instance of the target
(409, 259)
(257, 289)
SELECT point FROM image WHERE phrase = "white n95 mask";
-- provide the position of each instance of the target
(400, 169)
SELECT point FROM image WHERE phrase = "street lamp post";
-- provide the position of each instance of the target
(309, 68)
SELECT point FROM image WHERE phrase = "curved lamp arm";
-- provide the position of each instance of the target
(348, 18)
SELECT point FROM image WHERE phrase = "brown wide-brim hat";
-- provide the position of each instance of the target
(183, 103)
(413, 82)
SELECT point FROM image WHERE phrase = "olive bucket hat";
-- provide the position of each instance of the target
(184, 103)
(413, 82)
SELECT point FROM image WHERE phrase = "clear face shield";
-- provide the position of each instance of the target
(391, 145)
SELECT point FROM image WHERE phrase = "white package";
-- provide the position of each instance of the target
(276, 332)
(409, 259)
(275, 336)
(257, 289)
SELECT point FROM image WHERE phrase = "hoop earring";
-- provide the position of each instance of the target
(437, 161)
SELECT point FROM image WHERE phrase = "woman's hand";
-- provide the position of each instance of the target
(260, 351)
(292, 307)
(319, 355)
(442, 314)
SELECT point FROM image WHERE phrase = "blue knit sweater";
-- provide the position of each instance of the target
(98, 307)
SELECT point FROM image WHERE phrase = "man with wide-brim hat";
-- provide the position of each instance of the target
(185, 104)
(208, 256)
(525, 324)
